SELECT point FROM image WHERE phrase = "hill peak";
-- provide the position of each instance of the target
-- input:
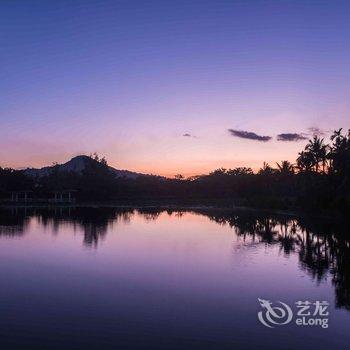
(78, 164)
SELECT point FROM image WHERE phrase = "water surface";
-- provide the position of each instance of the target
(106, 278)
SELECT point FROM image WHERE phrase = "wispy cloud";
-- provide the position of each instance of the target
(315, 131)
(291, 137)
(189, 135)
(249, 135)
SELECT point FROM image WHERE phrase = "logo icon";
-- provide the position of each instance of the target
(274, 315)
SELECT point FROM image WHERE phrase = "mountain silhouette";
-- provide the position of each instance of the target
(77, 165)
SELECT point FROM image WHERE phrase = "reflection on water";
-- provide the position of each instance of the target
(322, 248)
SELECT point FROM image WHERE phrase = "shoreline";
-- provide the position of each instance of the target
(180, 207)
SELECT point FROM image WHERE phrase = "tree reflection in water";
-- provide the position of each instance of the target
(322, 247)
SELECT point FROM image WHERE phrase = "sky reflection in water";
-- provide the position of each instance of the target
(127, 278)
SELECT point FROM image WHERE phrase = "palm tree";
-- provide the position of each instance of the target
(305, 161)
(266, 169)
(339, 154)
(285, 167)
(318, 150)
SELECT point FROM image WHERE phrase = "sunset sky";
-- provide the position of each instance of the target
(170, 87)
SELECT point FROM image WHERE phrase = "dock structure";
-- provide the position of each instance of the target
(28, 197)
(63, 196)
(21, 196)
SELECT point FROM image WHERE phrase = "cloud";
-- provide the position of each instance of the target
(190, 135)
(249, 135)
(314, 131)
(291, 137)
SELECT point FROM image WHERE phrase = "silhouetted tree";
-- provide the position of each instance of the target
(321, 181)
(318, 153)
(285, 168)
(240, 171)
(266, 170)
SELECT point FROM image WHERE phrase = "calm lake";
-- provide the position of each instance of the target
(106, 278)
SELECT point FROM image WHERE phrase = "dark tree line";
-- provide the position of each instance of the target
(318, 180)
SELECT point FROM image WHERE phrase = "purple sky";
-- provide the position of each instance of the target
(128, 79)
